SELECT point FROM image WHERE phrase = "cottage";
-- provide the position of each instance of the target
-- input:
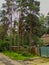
(45, 38)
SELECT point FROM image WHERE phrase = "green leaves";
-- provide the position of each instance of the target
(37, 3)
(18, 0)
(31, 4)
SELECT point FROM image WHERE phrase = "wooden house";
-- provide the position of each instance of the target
(45, 39)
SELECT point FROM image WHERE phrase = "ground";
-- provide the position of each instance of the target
(38, 61)
(4, 60)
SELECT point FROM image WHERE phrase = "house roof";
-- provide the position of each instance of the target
(45, 38)
(45, 35)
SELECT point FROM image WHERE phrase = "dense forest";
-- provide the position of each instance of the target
(25, 28)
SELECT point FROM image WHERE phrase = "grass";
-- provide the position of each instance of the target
(18, 56)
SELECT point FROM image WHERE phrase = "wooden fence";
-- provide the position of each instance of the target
(25, 49)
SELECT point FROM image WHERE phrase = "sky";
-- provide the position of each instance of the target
(44, 6)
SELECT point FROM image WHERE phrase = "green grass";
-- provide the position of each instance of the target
(18, 56)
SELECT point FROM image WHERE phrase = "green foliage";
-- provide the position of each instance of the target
(46, 23)
(26, 39)
(17, 56)
(39, 30)
(4, 44)
(31, 26)
(37, 40)
(1, 43)
(1, 32)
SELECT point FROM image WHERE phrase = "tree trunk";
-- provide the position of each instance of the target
(18, 31)
(30, 35)
(22, 38)
(11, 33)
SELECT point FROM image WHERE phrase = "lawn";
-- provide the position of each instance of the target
(18, 56)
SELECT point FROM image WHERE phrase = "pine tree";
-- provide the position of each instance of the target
(10, 7)
(29, 9)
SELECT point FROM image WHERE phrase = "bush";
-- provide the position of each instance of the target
(37, 40)
(4, 44)
(1, 43)
(26, 54)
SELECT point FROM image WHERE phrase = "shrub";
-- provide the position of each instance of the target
(4, 44)
(37, 40)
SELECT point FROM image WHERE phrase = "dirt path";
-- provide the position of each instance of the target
(37, 61)
(4, 60)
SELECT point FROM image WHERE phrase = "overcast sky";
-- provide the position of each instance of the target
(44, 6)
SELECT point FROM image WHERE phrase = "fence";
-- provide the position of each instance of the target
(43, 51)
(27, 49)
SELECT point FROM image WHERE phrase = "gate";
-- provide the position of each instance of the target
(43, 51)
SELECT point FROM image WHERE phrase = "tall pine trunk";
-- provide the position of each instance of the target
(10, 14)
(18, 31)
(30, 33)
(22, 38)
(11, 33)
